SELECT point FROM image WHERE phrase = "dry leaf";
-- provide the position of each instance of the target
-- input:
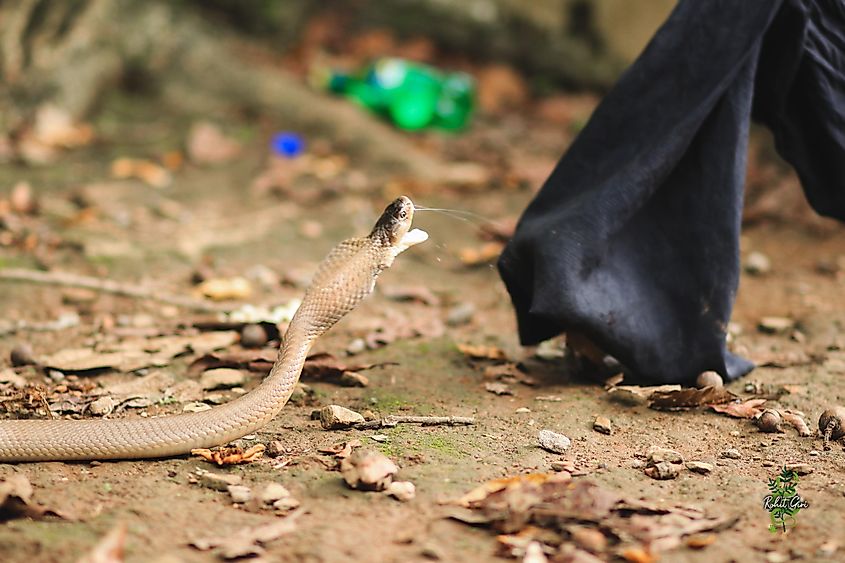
(498, 388)
(419, 293)
(247, 541)
(690, 398)
(481, 352)
(110, 548)
(746, 409)
(341, 450)
(230, 455)
(145, 170)
(485, 254)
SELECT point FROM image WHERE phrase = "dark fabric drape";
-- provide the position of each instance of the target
(634, 238)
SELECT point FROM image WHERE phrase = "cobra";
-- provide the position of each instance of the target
(345, 277)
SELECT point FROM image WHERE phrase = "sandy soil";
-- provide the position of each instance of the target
(160, 236)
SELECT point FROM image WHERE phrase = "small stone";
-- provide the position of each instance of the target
(627, 396)
(734, 433)
(663, 471)
(657, 455)
(602, 425)
(699, 467)
(102, 406)
(380, 438)
(553, 442)
(55, 375)
(287, 503)
(799, 468)
(221, 378)
(273, 492)
(776, 325)
(356, 346)
(218, 481)
(709, 379)
(732, 453)
(9, 376)
(368, 470)
(562, 465)
(369, 415)
(637, 463)
(22, 355)
(588, 538)
(276, 448)
(776, 557)
(758, 264)
(253, 336)
(401, 490)
(522, 410)
(78, 296)
(769, 421)
(460, 314)
(814, 452)
(196, 407)
(498, 388)
(239, 493)
(335, 417)
(432, 552)
(353, 379)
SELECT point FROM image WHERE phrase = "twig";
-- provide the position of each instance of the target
(393, 420)
(65, 279)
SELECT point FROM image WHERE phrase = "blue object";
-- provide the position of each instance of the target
(287, 144)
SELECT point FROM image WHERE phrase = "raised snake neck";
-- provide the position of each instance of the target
(344, 278)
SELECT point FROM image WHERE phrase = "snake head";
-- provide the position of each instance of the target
(394, 225)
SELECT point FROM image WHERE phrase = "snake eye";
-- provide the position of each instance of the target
(403, 214)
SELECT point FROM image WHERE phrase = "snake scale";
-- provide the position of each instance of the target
(343, 279)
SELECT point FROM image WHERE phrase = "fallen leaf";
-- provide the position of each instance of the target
(485, 254)
(746, 409)
(498, 388)
(16, 500)
(690, 398)
(341, 450)
(247, 541)
(481, 352)
(145, 170)
(419, 293)
(109, 549)
(230, 455)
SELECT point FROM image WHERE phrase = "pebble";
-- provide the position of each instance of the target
(380, 438)
(356, 346)
(814, 452)
(196, 407)
(699, 467)
(663, 470)
(522, 410)
(239, 493)
(9, 376)
(709, 379)
(401, 490)
(657, 455)
(335, 417)
(221, 378)
(758, 264)
(554, 442)
(602, 425)
(218, 481)
(637, 463)
(776, 325)
(460, 314)
(22, 355)
(273, 492)
(253, 336)
(588, 538)
(562, 465)
(732, 453)
(276, 448)
(498, 388)
(287, 503)
(55, 375)
(769, 421)
(800, 468)
(368, 470)
(102, 406)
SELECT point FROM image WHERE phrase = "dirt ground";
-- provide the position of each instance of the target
(211, 218)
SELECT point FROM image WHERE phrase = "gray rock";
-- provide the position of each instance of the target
(554, 442)
(657, 455)
(218, 481)
(776, 325)
(460, 314)
(663, 470)
(221, 378)
(732, 453)
(356, 346)
(273, 492)
(401, 490)
(800, 468)
(758, 264)
(368, 470)
(102, 406)
(239, 493)
(699, 467)
(335, 417)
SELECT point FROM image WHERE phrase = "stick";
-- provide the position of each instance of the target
(65, 279)
(393, 420)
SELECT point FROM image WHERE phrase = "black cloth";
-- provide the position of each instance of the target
(634, 238)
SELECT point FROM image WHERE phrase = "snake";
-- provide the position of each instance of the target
(343, 279)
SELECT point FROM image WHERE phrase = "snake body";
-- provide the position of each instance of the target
(343, 279)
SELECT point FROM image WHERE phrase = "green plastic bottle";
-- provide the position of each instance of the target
(412, 95)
